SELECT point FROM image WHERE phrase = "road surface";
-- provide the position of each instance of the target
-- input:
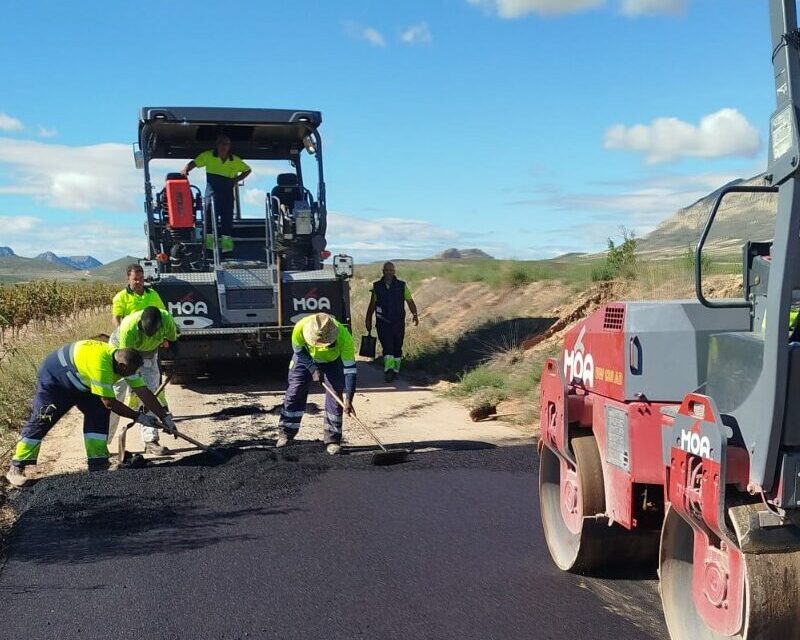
(296, 544)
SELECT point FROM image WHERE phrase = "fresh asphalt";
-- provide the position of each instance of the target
(304, 546)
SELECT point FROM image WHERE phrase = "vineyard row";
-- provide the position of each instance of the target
(37, 302)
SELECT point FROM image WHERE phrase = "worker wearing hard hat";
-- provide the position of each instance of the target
(323, 349)
(223, 172)
(145, 331)
(388, 303)
(83, 374)
(135, 297)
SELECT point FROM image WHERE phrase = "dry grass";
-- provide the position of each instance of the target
(19, 366)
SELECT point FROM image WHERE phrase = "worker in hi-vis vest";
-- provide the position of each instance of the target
(145, 331)
(388, 303)
(323, 349)
(135, 297)
(223, 172)
(83, 374)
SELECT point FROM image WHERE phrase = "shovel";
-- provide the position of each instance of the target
(384, 456)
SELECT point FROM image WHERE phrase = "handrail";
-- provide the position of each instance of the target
(698, 253)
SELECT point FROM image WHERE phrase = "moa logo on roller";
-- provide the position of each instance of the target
(695, 444)
(578, 364)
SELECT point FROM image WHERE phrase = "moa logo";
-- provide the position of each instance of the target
(312, 302)
(695, 444)
(578, 364)
(186, 306)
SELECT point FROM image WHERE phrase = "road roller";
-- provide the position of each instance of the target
(670, 430)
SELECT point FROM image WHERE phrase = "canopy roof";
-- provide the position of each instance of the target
(256, 134)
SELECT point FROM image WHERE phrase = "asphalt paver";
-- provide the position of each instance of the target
(296, 544)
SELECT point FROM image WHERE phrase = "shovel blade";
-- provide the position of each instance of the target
(393, 456)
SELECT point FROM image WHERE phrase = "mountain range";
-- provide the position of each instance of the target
(81, 263)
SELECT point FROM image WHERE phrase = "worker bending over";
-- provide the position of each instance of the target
(135, 297)
(388, 302)
(323, 349)
(145, 331)
(82, 374)
(223, 172)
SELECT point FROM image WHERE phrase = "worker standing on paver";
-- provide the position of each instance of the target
(388, 302)
(323, 349)
(223, 172)
(82, 374)
(135, 297)
(145, 331)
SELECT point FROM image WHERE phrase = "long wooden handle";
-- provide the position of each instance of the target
(336, 397)
(123, 430)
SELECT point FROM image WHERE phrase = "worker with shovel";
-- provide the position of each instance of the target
(323, 349)
(388, 303)
(83, 374)
(145, 331)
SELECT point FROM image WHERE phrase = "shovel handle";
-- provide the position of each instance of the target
(336, 397)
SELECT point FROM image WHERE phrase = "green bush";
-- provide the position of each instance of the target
(602, 273)
(481, 377)
(621, 259)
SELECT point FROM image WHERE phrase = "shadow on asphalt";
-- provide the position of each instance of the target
(129, 530)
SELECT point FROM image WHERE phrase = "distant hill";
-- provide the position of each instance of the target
(742, 216)
(81, 263)
(113, 271)
(463, 254)
(19, 269)
(6, 252)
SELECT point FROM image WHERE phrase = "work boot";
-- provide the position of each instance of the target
(282, 441)
(155, 449)
(333, 448)
(16, 477)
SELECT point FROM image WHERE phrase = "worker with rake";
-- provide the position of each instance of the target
(323, 349)
(82, 374)
(388, 303)
(145, 331)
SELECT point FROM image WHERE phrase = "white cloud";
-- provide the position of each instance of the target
(649, 7)
(384, 238)
(7, 123)
(513, 9)
(417, 34)
(724, 133)
(77, 178)
(81, 178)
(44, 132)
(366, 33)
(29, 236)
(639, 205)
(255, 197)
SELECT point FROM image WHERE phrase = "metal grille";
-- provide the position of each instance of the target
(192, 278)
(298, 276)
(248, 278)
(249, 299)
(614, 319)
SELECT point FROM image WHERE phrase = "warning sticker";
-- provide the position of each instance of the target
(782, 135)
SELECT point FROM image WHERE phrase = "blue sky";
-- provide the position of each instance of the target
(525, 127)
